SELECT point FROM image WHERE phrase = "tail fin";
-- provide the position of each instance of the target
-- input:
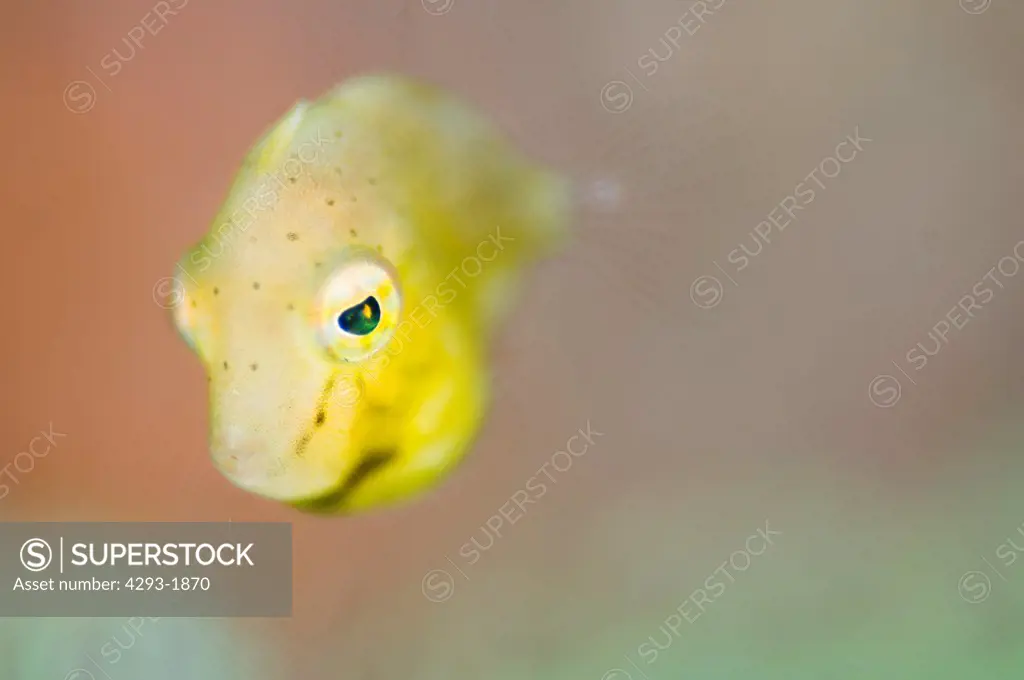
(545, 206)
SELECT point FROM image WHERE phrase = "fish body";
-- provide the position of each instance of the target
(344, 301)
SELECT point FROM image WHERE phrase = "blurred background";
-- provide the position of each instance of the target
(812, 384)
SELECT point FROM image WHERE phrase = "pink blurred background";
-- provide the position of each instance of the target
(713, 418)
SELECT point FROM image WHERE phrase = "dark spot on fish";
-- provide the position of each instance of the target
(292, 236)
(325, 394)
(216, 291)
(256, 285)
(355, 198)
(353, 233)
(293, 180)
(320, 418)
(372, 180)
(254, 366)
(371, 463)
(317, 264)
(290, 306)
(225, 365)
(330, 201)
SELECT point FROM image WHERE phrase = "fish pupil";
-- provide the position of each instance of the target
(360, 319)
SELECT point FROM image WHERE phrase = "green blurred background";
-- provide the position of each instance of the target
(763, 399)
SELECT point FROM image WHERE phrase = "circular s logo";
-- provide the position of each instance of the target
(616, 674)
(168, 292)
(974, 587)
(437, 7)
(975, 6)
(79, 674)
(348, 391)
(438, 585)
(616, 96)
(706, 291)
(79, 97)
(36, 554)
(884, 391)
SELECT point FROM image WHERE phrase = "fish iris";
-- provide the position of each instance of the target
(360, 319)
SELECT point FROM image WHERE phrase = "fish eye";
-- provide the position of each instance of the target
(358, 307)
(361, 319)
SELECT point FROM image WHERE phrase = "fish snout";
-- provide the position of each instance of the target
(256, 465)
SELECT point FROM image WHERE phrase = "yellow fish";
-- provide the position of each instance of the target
(344, 301)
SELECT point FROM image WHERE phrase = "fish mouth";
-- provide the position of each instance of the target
(314, 469)
(334, 500)
(260, 457)
(281, 478)
(288, 479)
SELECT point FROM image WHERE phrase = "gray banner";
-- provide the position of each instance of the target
(161, 569)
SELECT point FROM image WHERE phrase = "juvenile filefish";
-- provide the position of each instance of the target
(344, 301)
